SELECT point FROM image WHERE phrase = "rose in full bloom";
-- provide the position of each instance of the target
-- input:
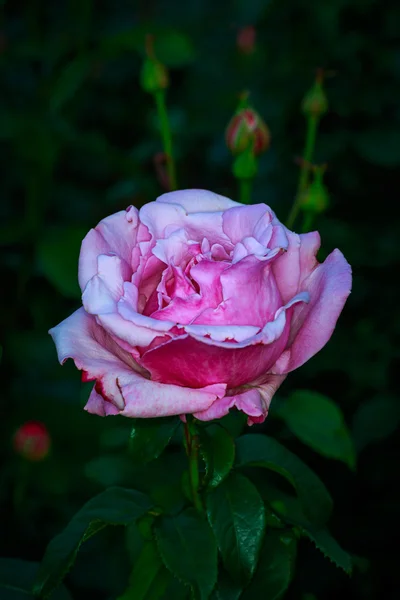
(196, 304)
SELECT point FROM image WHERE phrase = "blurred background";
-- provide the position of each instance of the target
(80, 140)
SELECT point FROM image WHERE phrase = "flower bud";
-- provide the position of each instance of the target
(245, 129)
(246, 39)
(315, 103)
(316, 199)
(154, 75)
(32, 441)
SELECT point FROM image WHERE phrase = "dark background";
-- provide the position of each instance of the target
(78, 140)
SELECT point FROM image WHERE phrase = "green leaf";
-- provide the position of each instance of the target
(236, 513)
(149, 578)
(319, 423)
(329, 547)
(226, 588)
(149, 437)
(68, 82)
(17, 577)
(262, 451)
(375, 420)
(188, 549)
(275, 567)
(115, 506)
(289, 509)
(58, 253)
(218, 451)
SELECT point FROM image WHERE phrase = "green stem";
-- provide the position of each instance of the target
(245, 190)
(311, 136)
(166, 137)
(192, 451)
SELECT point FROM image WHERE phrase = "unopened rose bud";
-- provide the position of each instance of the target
(246, 39)
(315, 103)
(246, 129)
(316, 199)
(154, 75)
(32, 441)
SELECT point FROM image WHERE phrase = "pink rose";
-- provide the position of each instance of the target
(196, 304)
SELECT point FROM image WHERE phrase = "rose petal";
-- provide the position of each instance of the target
(239, 222)
(250, 296)
(119, 378)
(253, 402)
(198, 200)
(116, 234)
(312, 325)
(292, 267)
(196, 362)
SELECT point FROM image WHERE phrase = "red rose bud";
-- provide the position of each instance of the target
(32, 441)
(247, 128)
(246, 39)
(316, 199)
(315, 103)
(154, 75)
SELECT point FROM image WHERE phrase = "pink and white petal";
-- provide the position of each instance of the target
(198, 200)
(239, 222)
(198, 361)
(143, 398)
(250, 293)
(174, 249)
(222, 333)
(312, 325)
(115, 234)
(286, 268)
(81, 338)
(97, 405)
(149, 399)
(309, 245)
(253, 402)
(122, 386)
(103, 291)
(163, 219)
(245, 335)
(133, 329)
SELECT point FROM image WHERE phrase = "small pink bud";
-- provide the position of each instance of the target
(32, 441)
(245, 128)
(246, 39)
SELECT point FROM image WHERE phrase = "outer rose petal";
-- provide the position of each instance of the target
(241, 221)
(122, 386)
(116, 234)
(163, 219)
(312, 324)
(292, 267)
(198, 200)
(253, 402)
(196, 363)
